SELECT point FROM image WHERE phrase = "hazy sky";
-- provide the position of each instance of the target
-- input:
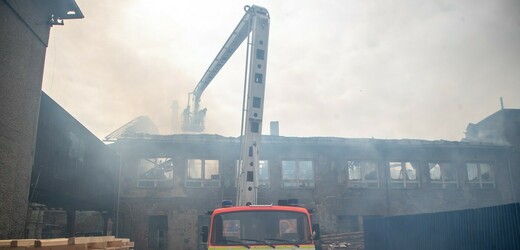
(356, 69)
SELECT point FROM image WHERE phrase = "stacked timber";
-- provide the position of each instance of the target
(343, 241)
(76, 243)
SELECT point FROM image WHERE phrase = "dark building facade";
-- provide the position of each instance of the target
(168, 182)
(73, 171)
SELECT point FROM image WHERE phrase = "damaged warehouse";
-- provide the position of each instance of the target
(60, 180)
(169, 181)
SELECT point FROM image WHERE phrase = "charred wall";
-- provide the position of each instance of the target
(343, 196)
(73, 169)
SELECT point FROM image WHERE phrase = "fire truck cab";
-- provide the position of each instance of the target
(260, 227)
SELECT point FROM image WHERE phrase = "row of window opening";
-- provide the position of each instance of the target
(300, 174)
(404, 174)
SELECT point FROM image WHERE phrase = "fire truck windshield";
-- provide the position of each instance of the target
(261, 228)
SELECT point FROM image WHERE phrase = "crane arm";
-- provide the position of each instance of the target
(239, 34)
(233, 42)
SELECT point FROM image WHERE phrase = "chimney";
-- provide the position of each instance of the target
(175, 125)
(275, 128)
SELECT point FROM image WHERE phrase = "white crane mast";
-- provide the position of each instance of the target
(250, 146)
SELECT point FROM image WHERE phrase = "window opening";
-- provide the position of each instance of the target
(443, 175)
(362, 174)
(480, 175)
(202, 173)
(155, 173)
(297, 174)
(403, 174)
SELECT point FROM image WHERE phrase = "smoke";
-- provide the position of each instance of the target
(339, 68)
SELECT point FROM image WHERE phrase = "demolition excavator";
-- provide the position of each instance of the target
(249, 225)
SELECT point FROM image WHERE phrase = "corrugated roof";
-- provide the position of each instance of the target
(141, 125)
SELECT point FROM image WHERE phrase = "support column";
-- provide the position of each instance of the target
(71, 222)
(106, 217)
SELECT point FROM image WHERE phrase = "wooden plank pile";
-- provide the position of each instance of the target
(354, 240)
(76, 243)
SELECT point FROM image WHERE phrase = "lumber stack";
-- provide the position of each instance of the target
(76, 243)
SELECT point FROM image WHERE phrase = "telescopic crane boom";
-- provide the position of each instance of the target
(193, 118)
(254, 23)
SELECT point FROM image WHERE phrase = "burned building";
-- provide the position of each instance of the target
(169, 181)
(73, 172)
